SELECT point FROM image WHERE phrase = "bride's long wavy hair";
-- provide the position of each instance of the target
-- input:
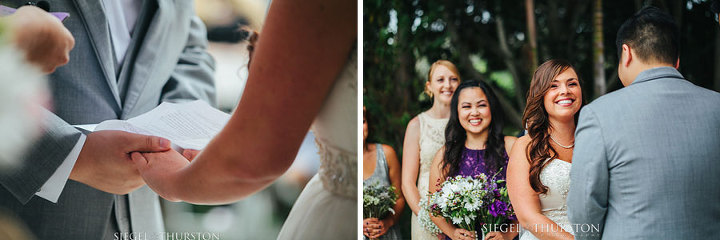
(535, 119)
(455, 134)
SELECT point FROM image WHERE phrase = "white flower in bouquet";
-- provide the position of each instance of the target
(378, 200)
(424, 217)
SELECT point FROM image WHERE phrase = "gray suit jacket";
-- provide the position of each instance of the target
(166, 61)
(646, 163)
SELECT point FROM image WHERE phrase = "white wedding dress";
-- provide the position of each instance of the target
(556, 176)
(327, 207)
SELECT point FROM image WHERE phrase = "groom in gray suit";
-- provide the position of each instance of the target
(646, 163)
(127, 59)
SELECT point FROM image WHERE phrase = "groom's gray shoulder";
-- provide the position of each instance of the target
(605, 104)
(708, 94)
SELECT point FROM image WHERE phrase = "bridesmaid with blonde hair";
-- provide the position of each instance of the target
(424, 137)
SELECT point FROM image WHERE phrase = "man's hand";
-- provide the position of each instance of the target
(42, 37)
(104, 162)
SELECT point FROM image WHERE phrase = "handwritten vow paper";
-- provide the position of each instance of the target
(189, 125)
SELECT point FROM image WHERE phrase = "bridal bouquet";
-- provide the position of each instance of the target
(460, 200)
(378, 201)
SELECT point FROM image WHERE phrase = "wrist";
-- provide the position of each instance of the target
(173, 183)
(78, 172)
(388, 222)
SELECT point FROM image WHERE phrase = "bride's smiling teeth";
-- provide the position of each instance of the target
(565, 102)
(475, 122)
(449, 93)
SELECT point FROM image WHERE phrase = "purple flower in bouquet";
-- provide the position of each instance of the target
(498, 208)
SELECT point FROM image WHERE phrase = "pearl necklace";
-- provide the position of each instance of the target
(556, 142)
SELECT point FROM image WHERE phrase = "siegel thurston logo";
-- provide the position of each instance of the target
(166, 236)
(548, 228)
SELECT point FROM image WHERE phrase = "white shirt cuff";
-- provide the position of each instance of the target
(56, 183)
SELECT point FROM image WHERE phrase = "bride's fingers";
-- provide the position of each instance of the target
(139, 160)
(190, 154)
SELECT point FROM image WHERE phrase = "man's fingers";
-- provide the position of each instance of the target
(146, 143)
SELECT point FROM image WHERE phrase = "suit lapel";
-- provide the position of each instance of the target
(93, 17)
(147, 12)
(140, 65)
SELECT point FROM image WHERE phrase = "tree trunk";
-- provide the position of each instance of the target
(404, 63)
(598, 51)
(717, 60)
(532, 33)
(508, 59)
(579, 10)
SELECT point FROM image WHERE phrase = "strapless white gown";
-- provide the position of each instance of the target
(327, 207)
(556, 176)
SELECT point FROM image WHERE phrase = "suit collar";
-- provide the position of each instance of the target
(657, 73)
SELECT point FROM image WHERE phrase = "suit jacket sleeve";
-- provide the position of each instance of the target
(192, 77)
(588, 196)
(42, 158)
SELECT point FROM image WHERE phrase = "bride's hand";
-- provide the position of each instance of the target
(190, 154)
(160, 170)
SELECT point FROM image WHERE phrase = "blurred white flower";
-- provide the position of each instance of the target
(22, 90)
(456, 220)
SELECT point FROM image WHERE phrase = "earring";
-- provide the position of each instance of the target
(428, 92)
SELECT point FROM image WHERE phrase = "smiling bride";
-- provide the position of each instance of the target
(538, 176)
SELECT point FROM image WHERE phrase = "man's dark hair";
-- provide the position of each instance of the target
(715, 6)
(653, 35)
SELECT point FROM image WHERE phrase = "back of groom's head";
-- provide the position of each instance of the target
(652, 34)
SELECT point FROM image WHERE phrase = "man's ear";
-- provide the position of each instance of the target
(677, 63)
(627, 55)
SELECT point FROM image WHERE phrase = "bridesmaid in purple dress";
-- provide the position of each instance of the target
(474, 144)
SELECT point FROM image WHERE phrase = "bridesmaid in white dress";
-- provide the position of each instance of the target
(305, 46)
(424, 136)
(538, 175)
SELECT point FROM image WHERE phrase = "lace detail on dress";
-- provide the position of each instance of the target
(556, 176)
(338, 170)
(432, 138)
